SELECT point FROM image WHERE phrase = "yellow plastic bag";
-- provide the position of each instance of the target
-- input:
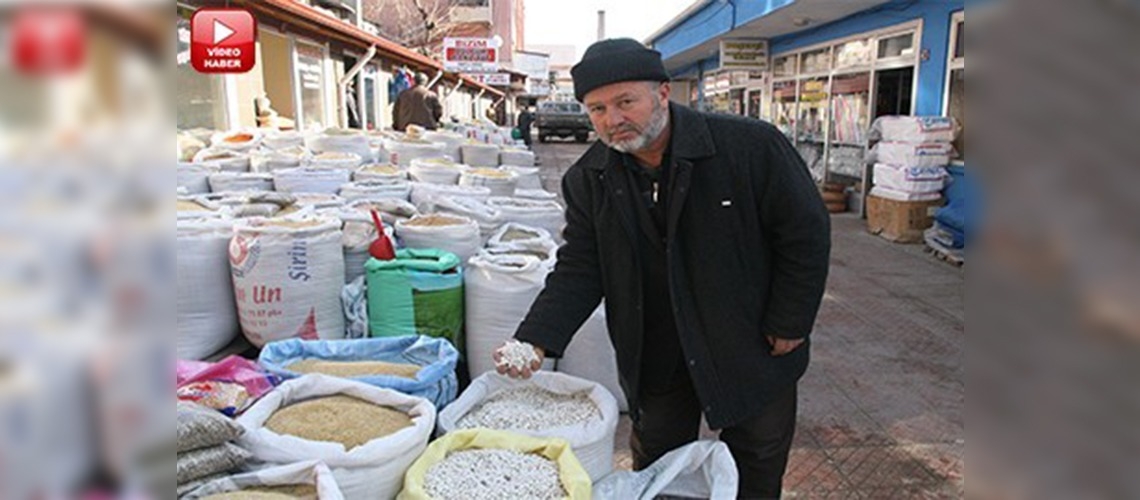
(574, 478)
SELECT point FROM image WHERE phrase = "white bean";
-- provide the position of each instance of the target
(517, 355)
(493, 474)
(530, 408)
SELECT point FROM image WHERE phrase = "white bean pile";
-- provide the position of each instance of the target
(530, 408)
(491, 474)
(517, 355)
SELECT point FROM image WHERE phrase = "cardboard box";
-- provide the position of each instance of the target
(900, 221)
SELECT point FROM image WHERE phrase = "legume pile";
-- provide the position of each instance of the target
(492, 474)
(530, 408)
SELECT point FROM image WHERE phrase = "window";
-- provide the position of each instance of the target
(896, 46)
(200, 97)
(959, 47)
(311, 80)
(853, 54)
(956, 81)
(784, 66)
(816, 61)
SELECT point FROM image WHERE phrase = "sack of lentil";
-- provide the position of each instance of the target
(207, 315)
(547, 405)
(450, 141)
(418, 292)
(701, 469)
(338, 140)
(546, 214)
(288, 275)
(451, 233)
(546, 252)
(590, 355)
(486, 217)
(310, 479)
(366, 435)
(412, 364)
(484, 463)
(223, 159)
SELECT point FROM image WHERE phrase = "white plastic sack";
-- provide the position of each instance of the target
(288, 275)
(374, 190)
(338, 160)
(538, 213)
(528, 177)
(461, 238)
(450, 141)
(374, 470)
(355, 300)
(592, 442)
(283, 139)
(546, 252)
(335, 140)
(402, 153)
(435, 170)
(500, 182)
(498, 291)
(310, 472)
(310, 180)
(894, 194)
(359, 232)
(207, 313)
(910, 179)
(535, 194)
(232, 181)
(272, 160)
(914, 129)
(701, 469)
(488, 218)
(513, 233)
(195, 176)
(237, 140)
(380, 172)
(423, 193)
(514, 156)
(319, 201)
(480, 155)
(591, 356)
(907, 154)
(390, 209)
(226, 160)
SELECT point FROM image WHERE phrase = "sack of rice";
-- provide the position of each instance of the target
(225, 160)
(545, 214)
(914, 129)
(376, 189)
(379, 172)
(480, 155)
(528, 177)
(338, 140)
(411, 364)
(535, 194)
(287, 276)
(200, 427)
(278, 159)
(452, 233)
(437, 170)
(308, 480)
(450, 141)
(418, 292)
(283, 139)
(547, 405)
(500, 182)
(405, 150)
(488, 218)
(366, 435)
(423, 193)
(590, 355)
(701, 469)
(337, 160)
(498, 292)
(195, 176)
(358, 233)
(516, 156)
(207, 314)
(310, 179)
(244, 181)
(484, 463)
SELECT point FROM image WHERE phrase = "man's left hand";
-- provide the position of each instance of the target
(781, 346)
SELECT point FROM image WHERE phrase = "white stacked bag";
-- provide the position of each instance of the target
(207, 314)
(501, 182)
(480, 155)
(311, 179)
(453, 233)
(379, 172)
(337, 140)
(423, 193)
(449, 140)
(591, 356)
(488, 218)
(271, 160)
(376, 189)
(437, 170)
(498, 292)
(195, 176)
(910, 156)
(226, 182)
(545, 214)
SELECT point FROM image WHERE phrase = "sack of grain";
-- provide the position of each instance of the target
(195, 176)
(225, 160)
(318, 201)
(197, 207)
(504, 467)
(269, 161)
(452, 233)
(311, 179)
(914, 129)
(450, 141)
(500, 182)
(480, 155)
(528, 177)
(928, 154)
(411, 364)
(236, 182)
(548, 215)
(590, 355)
(239, 140)
(498, 292)
(196, 464)
(358, 233)
(283, 139)
(701, 469)
(418, 292)
(188, 146)
(546, 251)
(207, 314)
(337, 160)
(488, 218)
(201, 427)
(354, 298)
(423, 192)
(376, 189)
(404, 151)
(535, 194)
(380, 172)
(391, 210)
(516, 156)
(372, 470)
(514, 234)
(287, 276)
(437, 170)
(910, 179)
(336, 140)
(310, 479)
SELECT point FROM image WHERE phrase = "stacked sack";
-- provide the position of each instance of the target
(205, 448)
(910, 155)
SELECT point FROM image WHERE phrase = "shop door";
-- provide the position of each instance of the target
(893, 90)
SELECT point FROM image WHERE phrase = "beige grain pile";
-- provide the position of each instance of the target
(286, 492)
(354, 368)
(293, 223)
(338, 419)
(434, 220)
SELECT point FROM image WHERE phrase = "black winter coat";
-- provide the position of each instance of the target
(747, 256)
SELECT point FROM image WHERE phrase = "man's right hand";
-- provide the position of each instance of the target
(518, 373)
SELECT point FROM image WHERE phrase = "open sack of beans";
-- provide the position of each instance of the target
(480, 464)
(548, 405)
(702, 469)
(411, 364)
(367, 436)
(308, 480)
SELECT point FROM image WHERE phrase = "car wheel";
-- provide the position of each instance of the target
(582, 137)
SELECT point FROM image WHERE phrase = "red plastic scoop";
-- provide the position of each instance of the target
(381, 248)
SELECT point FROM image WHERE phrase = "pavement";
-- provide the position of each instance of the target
(882, 405)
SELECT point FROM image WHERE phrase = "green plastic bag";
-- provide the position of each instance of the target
(420, 292)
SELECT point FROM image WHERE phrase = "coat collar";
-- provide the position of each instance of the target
(690, 135)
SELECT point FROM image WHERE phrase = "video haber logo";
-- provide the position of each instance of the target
(222, 40)
(47, 41)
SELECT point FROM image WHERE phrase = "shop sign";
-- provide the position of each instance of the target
(470, 55)
(744, 54)
(496, 79)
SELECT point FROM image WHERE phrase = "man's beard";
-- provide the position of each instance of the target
(657, 123)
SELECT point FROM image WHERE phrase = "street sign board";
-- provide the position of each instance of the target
(744, 54)
(470, 55)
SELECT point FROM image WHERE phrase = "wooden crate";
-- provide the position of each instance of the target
(900, 221)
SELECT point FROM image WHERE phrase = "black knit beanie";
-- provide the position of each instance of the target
(616, 60)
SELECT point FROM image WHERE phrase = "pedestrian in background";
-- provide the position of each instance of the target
(417, 106)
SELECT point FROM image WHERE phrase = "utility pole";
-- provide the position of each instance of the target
(601, 25)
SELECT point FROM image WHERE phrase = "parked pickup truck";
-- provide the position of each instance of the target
(562, 119)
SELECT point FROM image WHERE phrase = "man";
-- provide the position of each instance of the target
(417, 106)
(708, 240)
(526, 119)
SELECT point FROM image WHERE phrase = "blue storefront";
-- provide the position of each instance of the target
(834, 66)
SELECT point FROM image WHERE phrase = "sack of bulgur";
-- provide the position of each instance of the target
(547, 405)
(196, 464)
(310, 480)
(387, 444)
(411, 364)
(201, 427)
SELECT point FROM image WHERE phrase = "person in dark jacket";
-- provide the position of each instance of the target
(525, 121)
(417, 106)
(707, 238)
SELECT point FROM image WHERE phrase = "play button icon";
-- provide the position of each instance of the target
(222, 40)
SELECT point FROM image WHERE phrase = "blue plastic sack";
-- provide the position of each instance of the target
(436, 380)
